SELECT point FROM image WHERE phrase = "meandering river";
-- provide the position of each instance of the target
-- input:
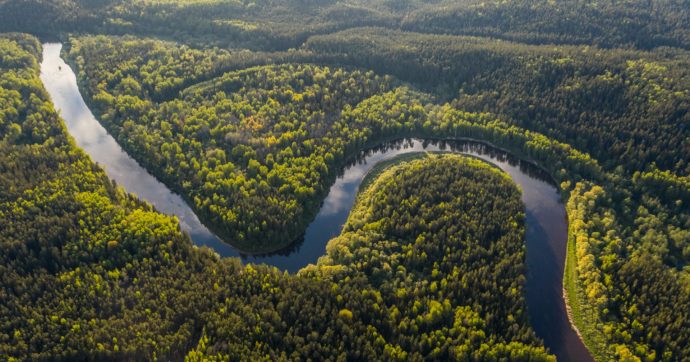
(546, 234)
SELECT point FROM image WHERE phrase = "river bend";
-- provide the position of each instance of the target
(546, 220)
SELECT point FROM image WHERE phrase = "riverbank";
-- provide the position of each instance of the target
(546, 244)
(582, 316)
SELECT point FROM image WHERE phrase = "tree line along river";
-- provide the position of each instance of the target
(546, 219)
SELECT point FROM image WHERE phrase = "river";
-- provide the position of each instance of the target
(546, 220)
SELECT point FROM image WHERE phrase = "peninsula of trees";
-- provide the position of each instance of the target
(250, 108)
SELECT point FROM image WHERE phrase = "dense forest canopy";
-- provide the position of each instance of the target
(250, 109)
(628, 108)
(89, 271)
(283, 24)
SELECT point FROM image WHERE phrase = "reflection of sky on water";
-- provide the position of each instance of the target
(340, 195)
(103, 149)
(538, 194)
(546, 220)
(61, 84)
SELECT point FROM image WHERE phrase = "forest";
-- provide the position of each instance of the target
(251, 109)
(283, 24)
(105, 276)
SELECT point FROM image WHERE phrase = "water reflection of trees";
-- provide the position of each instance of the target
(465, 146)
(292, 248)
(405, 145)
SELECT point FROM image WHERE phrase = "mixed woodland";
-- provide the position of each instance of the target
(88, 271)
(250, 109)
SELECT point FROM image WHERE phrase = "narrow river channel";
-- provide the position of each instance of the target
(546, 234)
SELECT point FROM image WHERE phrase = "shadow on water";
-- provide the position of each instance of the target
(336, 206)
(546, 219)
(292, 249)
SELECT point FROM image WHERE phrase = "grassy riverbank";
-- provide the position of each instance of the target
(583, 317)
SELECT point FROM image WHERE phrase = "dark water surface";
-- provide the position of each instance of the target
(546, 235)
